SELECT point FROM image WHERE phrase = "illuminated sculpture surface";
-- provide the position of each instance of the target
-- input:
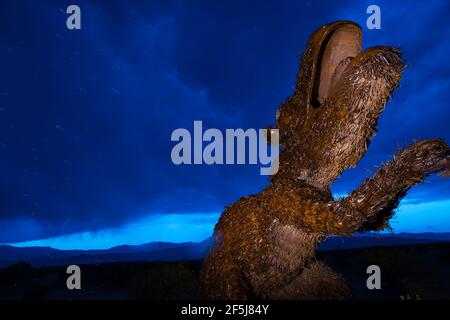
(264, 244)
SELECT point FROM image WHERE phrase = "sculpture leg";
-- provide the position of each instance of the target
(316, 282)
(221, 279)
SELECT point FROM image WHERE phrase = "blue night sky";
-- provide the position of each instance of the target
(86, 116)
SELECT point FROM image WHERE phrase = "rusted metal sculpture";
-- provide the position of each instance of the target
(265, 243)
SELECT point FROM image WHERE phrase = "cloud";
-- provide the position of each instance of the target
(87, 115)
(175, 228)
(410, 217)
(429, 216)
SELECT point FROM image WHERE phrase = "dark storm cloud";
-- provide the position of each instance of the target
(87, 115)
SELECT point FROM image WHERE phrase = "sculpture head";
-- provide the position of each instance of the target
(327, 124)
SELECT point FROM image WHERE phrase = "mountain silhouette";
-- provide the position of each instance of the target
(167, 251)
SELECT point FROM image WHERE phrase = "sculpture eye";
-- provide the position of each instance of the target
(336, 52)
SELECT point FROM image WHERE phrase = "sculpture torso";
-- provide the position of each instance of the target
(270, 250)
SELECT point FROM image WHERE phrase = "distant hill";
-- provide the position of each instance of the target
(153, 251)
(370, 240)
(166, 251)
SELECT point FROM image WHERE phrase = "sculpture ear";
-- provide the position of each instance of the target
(329, 50)
(339, 47)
